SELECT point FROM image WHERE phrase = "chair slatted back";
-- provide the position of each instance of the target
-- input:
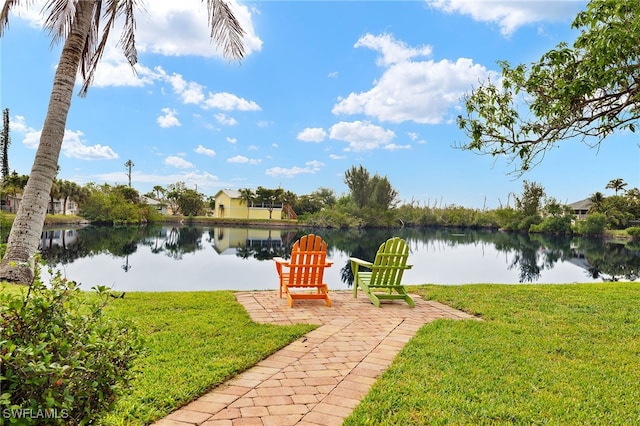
(390, 263)
(308, 261)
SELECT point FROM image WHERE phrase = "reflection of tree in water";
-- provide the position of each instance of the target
(608, 261)
(245, 252)
(182, 240)
(92, 241)
(155, 240)
(536, 253)
(529, 254)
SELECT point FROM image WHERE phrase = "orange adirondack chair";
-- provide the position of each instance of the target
(302, 276)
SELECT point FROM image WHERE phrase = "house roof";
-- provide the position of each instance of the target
(150, 201)
(231, 193)
(582, 204)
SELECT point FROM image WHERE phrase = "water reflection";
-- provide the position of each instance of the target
(194, 258)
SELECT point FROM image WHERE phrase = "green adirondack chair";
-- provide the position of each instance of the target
(383, 281)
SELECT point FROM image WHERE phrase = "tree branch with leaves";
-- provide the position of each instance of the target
(586, 91)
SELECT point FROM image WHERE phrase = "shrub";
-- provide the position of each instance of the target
(634, 232)
(62, 361)
(524, 224)
(553, 225)
(593, 224)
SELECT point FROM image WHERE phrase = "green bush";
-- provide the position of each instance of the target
(524, 224)
(553, 225)
(634, 231)
(593, 224)
(330, 218)
(62, 361)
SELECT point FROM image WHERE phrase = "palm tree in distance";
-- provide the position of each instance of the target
(616, 184)
(247, 196)
(159, 192)
(77, 24)
(597, 200)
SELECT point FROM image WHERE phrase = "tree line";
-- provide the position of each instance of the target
(371, 201)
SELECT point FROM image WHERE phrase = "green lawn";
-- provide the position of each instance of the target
(544, 354)
(195, 341)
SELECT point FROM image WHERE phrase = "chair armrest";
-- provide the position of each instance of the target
(360, 262)
(280, 260)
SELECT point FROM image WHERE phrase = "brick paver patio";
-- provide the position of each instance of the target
(321, 377)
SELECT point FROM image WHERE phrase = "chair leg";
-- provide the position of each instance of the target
(407, 298)
(374, 299)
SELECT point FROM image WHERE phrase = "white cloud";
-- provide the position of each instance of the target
(189, 92)
(362, 136)
(178, 162)
(337, 157)
(73, 144)
(393, 51)
(394, 147)
(18, 124)
(312, 134)
(231, 140)
(118, 72)
(311, 167)
(422, 92)
(508, 14)
(241, 159)
(170, 28)
(228, 102)
(180, 28)
(205, 151)
(227, 121)
(333, 74)
(169, 118)
(191, 179)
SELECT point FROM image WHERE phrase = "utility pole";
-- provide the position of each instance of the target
(129, 164)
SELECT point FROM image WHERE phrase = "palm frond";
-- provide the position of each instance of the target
(127, 38)
(113, 10)
(225, 29)
(59, 18)
(91, 48)
(4, 13)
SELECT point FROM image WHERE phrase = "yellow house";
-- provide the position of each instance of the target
(230, 205)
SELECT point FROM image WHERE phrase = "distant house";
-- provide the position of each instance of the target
(229, 204)
(581, 208)
(70, 208)
(10, 203)
(158, 205)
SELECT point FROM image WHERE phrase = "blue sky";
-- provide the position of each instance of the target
(324, 86)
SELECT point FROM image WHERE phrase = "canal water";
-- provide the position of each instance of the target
(189, 258)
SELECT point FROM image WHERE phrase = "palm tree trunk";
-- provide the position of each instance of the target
(17, 264)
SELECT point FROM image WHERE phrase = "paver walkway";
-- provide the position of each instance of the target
(321, 377)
